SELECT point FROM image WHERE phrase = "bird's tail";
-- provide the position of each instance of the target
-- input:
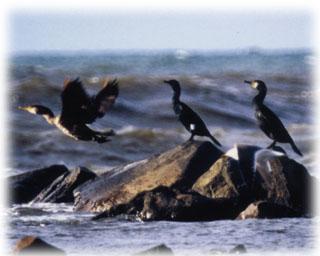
(295, 148)
(215, 140)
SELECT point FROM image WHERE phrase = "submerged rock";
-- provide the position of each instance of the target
(178, 168)
(269, 210)
(240, 248)
(61, 189)
(34, 245)
(26, 186)
(161, 249)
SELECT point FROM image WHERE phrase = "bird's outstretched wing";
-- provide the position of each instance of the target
(78, 107)
(106, 97)
(75, 101)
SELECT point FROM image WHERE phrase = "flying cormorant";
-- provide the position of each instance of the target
(269, 123)
(190, 119)
(80, 109)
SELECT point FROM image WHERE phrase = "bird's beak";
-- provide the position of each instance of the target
(247, 82)
(28, 109)
(166, 81)
(23, 108)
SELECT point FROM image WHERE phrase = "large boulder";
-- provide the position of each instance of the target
(254, 174)
(24, 187)
(33, 245)
(61, 189)
(284, 181)
(179, 168)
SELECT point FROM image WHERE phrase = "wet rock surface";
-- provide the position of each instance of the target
(165, 203)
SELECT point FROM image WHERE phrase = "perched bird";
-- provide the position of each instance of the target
(269, 123)
(80, 109)
(190, 119)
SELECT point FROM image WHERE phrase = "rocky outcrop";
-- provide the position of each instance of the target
(26, 186)
(176, 168)
(192, 182)
(61, 189)
(267, 210)
(33, 245)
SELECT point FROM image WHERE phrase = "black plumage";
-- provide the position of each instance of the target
(268, 121)
(80, 109)
(190, 119)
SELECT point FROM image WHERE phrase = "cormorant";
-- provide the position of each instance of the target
(190, 119)
(269, 123)
(80, 109)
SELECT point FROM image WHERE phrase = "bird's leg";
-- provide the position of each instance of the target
(191, 137)
(272, 144)
(109, 132)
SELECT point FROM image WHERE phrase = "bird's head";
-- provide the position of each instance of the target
(174, 84)
(38, 110)
(257, 84)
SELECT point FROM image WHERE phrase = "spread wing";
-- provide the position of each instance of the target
(78, 107)
(75, 102)
(106, 98)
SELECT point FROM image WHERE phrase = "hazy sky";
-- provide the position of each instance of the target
(158, 30)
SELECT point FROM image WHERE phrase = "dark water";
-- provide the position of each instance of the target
(212, 84)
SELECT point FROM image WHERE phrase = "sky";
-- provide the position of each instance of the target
(203, 30)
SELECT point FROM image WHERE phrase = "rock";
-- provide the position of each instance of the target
(223, 180)
(254, 174)
(178, 168)
(61, 189)
(24, 187)
(34, 245)
(240, 248)
(282, 180)
(267, 210)
(165, 203)
(161, 249)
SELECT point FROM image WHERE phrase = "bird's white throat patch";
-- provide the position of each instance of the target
(254, 85)
(192, 127)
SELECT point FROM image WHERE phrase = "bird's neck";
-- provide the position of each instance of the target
(259, 98)
(176, 103)
(176, 97)
(50, 119)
